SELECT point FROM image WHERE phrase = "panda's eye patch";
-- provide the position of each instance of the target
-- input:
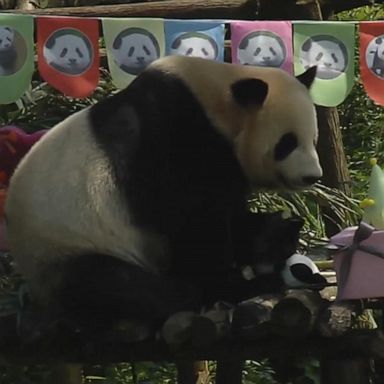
(189, 51)
(205, 51)
(79, 53)
(130, 52)
(258, 50)
(334, 57)
(319, 56)
(272, 51)
(146, 50)
(63, 52)
(285, 146)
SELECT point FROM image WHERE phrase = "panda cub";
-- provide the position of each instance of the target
(121, 211)
(195, 44)
(8, 53)
(378, 57)
(134, 49)
(262, 48)
(327, 53)
(68, 53)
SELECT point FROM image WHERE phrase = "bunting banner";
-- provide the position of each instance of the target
(195, 38)
(132, 44)
(262, 43)
(372, 59)
(16, 56)
(68, 54)
(330, 47)
(68, 51)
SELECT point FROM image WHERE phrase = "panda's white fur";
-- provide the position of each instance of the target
(88, 212)
(63, 201)
(68, 53)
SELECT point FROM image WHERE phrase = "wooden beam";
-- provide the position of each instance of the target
(218, 9)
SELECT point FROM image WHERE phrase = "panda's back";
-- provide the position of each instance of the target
(89, 214)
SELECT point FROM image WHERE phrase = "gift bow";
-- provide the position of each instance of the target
(363, 232)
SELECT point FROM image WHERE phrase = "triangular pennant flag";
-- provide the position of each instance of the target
(372, 59)
(68, 54)
(195, 38)
(262, 43)
(16, 56)
(373, 205)
(330, 47)
(132, 44)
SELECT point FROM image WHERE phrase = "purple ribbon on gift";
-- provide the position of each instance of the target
(363, 232)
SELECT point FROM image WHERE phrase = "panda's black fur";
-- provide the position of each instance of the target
(179, 179)
(189, 193)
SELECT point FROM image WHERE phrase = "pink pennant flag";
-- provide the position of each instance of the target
(262, 43)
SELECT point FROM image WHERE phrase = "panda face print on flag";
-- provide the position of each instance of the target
(68, 54)
(16, 56)
(372, 59)
(195, 38)
(132, 44)
(329, 47)
(262, 43)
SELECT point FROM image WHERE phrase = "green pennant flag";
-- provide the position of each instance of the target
(132, 44)
(16, 56)
(330, 47)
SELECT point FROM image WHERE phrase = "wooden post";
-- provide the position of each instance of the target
(221, 9)
(229, 371)
(67, 374)
(345, 371)
(186, 372)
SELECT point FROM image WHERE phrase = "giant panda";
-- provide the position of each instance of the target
(122, 210)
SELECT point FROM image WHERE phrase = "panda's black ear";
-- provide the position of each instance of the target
(248, 92)
(308, 76)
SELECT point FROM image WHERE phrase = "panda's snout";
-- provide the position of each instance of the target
(72, 60)
(309, 180)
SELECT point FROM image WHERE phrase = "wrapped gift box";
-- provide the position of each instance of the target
(359, 267)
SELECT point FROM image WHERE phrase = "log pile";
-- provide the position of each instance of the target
(265, 326)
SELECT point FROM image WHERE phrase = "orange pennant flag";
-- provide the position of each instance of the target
(68, 54)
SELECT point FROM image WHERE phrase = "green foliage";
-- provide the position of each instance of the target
(258, 372)
(312, 205)
(42, 107)
(141, 373)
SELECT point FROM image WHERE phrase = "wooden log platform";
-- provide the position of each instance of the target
(260, 328)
